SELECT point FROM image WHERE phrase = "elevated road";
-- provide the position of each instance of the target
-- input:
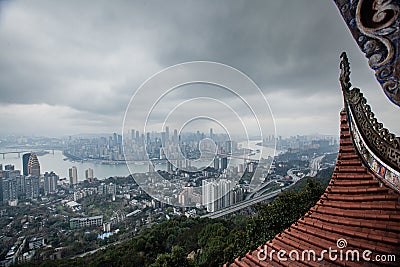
(254, 200)
(315, 165)
(13, 152)
(259, 191)
(241, 205)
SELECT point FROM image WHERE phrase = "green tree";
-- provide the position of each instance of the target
(177, 258)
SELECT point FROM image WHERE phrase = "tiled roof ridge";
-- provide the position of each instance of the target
(356, 206)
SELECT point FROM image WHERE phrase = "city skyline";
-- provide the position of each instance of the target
(64, 73)
(199, 133)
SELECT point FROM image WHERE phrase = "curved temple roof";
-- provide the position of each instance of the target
(360, 209)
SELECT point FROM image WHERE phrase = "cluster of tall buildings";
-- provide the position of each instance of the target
(101, 148)
(220, 163)
(73, 175)
(15, 186)
(220, 193)
(30, 184)
(142, 146)
(107, 189)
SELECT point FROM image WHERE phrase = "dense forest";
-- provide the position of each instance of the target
(204, 242)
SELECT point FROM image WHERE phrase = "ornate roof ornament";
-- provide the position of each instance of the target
(374, 25)
(344, 72)
(378, 139)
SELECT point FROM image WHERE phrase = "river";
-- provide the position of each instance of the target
(56, 162)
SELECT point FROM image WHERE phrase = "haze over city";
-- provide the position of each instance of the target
(188, 133)
(71, 67)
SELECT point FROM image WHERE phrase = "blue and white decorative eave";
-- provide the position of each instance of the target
(374, 25)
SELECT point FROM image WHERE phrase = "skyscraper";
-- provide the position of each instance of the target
(132, 134)
(224, 163)
(209, 195)
(167, 133)
(228, 147)
(89, 174)
(9, 185)
(216, 163)
(32, 187)
(115, 139)
(163, 138)
(170, 166)
(9, 189)
(148, 140)
(175, 137)
(33, 165)
(73, 175)
(137, 136)
(216, 194)
(25, 160)
(50, 183)
(9, 167)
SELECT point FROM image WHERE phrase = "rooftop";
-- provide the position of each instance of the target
(359, 213)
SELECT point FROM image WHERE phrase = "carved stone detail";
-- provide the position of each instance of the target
(375, 24)
(382, 143)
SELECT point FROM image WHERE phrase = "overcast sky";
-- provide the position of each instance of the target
(69, 67)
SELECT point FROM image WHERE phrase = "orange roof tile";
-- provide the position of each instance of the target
(356, 206)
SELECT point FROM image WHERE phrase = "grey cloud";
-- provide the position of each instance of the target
(85, 59)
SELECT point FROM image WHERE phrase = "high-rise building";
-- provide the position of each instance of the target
(224, 163)
(50, 183)
(9, 167)
(250, 167)
(148, 140)
(25, 160)
(10, 185)
(20, 186)
(163, 138)
(175, 137)
(241, 167)
(119, 139)
(228, 147)
(101, 189)
(209, 195)
(89, 174)
(224, 188)
(216, 194)
(32, 187)
(188, 163)
(33, 165)
(9, 189)
(107, 189)
(167, 133)
(137, 136)
(73, 175)
(216, 163)
(115, 139)
(112, 189)
(170, 166)
(132, 134)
